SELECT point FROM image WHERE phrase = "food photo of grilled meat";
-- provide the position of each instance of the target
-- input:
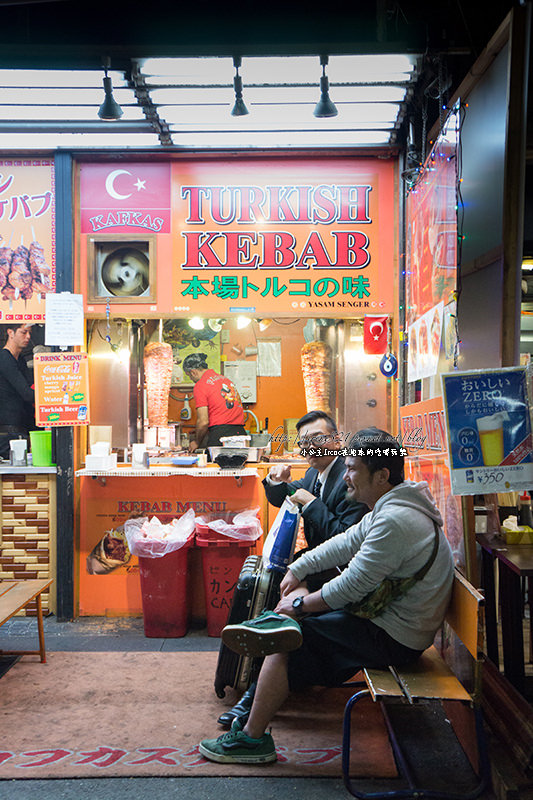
(112, 551)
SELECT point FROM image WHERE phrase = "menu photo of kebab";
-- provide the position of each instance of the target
(413, 350)
(423, 344)
(23, 271)
(109, 553)
(435, 333)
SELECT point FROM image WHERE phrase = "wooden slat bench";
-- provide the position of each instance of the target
(430, 678)
(15, 595)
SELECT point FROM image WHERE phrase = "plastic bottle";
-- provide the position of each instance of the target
(525, 515)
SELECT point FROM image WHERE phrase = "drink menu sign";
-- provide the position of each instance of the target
(489, 430)
(245, 235)
(27, 244)
(61, 389)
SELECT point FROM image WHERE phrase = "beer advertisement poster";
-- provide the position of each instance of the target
(489, 430)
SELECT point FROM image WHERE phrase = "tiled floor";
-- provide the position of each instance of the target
(99, 634)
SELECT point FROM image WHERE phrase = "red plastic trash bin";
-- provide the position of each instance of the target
(164, 590)
(222, 560)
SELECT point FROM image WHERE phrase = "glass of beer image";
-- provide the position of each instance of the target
(490, 430)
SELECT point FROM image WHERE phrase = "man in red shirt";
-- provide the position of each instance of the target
(219, 410)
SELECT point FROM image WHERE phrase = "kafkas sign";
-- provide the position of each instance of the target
(254, 235)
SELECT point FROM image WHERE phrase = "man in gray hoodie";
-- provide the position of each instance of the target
(314, 638)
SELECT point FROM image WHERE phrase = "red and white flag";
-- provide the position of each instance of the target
(375, 334)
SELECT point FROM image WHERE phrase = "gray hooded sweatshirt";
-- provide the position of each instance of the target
(394, 540)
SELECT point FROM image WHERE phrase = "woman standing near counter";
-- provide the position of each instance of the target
(219, 410)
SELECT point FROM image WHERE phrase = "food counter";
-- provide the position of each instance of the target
(28, 528)
(110, 587)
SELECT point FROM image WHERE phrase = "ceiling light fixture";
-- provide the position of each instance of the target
(324, 107)
(110, 110)
(239, 109)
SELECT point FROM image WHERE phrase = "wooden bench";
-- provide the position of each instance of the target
(15, 595)
(430, 678)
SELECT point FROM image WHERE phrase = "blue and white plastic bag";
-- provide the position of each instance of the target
(279, 544)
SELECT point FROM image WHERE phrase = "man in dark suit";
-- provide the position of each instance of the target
(321, 494)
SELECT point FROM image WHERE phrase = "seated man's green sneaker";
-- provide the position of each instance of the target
(266, 634)
(235, 747)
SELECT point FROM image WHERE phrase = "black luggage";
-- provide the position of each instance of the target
(257, 589)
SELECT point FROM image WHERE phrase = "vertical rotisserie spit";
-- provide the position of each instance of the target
(157, 373)
(316, 370)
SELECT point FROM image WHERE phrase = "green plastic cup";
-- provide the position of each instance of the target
(41, 448)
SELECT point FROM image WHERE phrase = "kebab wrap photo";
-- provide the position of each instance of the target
(112, 551)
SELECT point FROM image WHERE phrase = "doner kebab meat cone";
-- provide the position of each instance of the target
(316, 370)
(157, 373)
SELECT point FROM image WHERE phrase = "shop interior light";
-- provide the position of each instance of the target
(196, 323)
(243, 322)
(325, 107)
(264, 324)
(215, 324)
(356, 331)
(239, 109)
(110, 110)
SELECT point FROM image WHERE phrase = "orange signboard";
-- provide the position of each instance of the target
(61, 389)
(306, 236)
(27, 243)
(423, 434)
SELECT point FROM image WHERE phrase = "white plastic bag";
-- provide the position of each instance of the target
(150, 538)
(244, 526)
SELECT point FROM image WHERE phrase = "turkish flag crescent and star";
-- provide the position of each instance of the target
(375, 334)
(118, 197)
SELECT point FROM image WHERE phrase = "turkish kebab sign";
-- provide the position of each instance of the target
(253, 235)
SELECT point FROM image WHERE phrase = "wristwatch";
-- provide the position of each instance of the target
(298, 606)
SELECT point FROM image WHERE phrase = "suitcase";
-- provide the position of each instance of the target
(257, 589)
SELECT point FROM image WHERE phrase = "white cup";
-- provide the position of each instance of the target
(18, 448)
(138, 449)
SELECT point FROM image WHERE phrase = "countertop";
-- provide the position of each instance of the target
(163, 471)
(7, 469)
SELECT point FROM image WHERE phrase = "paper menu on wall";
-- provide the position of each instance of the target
(64, 325)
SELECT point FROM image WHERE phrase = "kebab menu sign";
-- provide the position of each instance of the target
(256, 235)
(27, 244)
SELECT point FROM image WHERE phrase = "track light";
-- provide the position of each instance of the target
(110, 109)
(264, 324)
(243, 322)
(324, 107)
(239, 109)
(196, 323)
(215, 325)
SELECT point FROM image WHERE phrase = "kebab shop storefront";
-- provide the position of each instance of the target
(283, 271)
